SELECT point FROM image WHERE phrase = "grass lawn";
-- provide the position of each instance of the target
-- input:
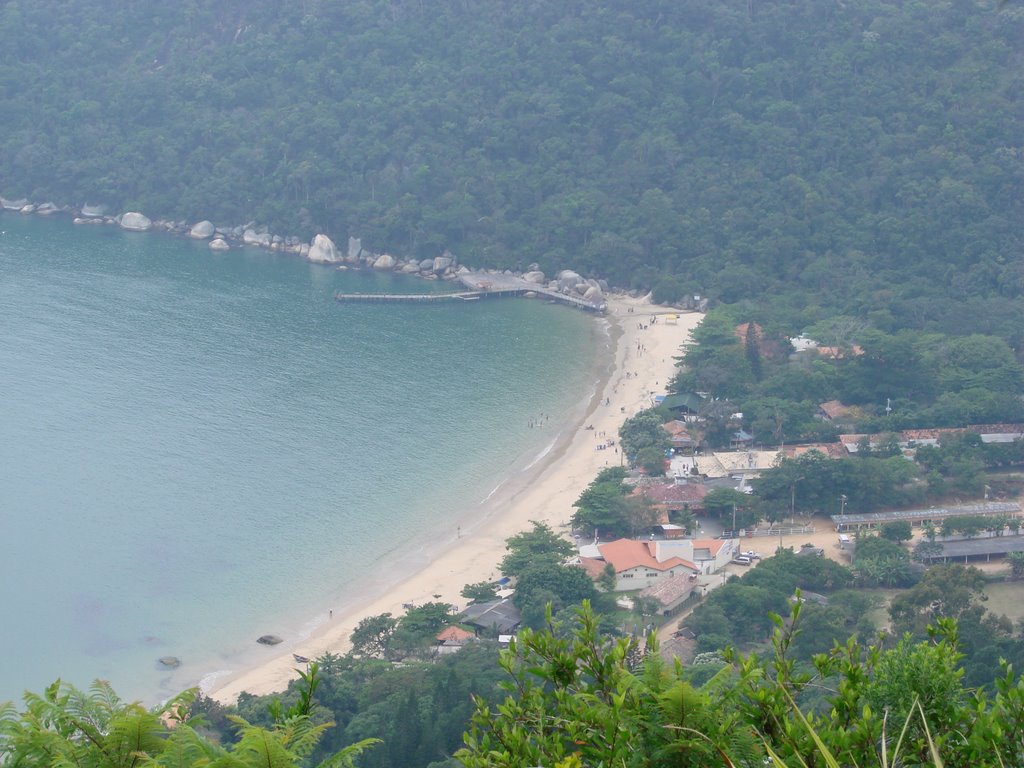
(1006, 598)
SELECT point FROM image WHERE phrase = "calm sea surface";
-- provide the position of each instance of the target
(197, 449)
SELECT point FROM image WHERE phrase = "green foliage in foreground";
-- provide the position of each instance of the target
(69, 727)
(578, 699)
(571, 697)
(419, 709)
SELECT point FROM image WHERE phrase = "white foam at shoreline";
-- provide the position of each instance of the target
(208, 682)
(494, 490)
(541, 455)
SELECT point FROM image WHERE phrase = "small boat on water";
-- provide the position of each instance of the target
(300, 659)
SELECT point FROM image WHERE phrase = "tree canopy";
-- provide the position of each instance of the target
(854, 157)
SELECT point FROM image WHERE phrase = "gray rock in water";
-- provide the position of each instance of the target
(427, 265)
(323, 250)
(441, 263)
(202, 230)
(249, 237)
(27, 209)
(269, 640)
(384, 261)
(171, 662)
(411, 268)
(355, 247)
(13, 205)
(220, 244)
(45, 209)
(135, 222)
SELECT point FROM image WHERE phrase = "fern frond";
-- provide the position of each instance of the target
(258, 746)
(346, 758)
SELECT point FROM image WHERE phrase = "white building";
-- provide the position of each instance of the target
(640, 564)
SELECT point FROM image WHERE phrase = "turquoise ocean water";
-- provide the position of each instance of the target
(198, 448)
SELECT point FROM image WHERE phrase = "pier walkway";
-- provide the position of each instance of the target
(484, 286)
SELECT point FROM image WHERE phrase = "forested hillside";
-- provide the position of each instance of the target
(863, 156)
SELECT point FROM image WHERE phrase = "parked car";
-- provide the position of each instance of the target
(751, 554)
(742, 560)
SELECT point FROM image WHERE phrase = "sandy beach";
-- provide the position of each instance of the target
(644, 363)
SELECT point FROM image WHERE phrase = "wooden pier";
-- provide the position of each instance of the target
(427, 298)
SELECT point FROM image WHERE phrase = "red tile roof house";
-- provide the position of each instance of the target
(640, 564)
(834, 410)
(451, 639)
(673, 497)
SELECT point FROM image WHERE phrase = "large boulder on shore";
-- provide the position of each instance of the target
(594, 294)
(534, 276)
(441, 263)
(93, 211)
(220, 244)
(323, 250)
(13, 205)
(202, 230)
(384, 261)
(355, 247)
(135, 222)
(567, 279)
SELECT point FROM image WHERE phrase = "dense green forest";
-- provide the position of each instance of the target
(817, 155)
(895, 381)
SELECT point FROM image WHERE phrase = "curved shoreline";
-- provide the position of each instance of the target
(539, 487)
(544, 490)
